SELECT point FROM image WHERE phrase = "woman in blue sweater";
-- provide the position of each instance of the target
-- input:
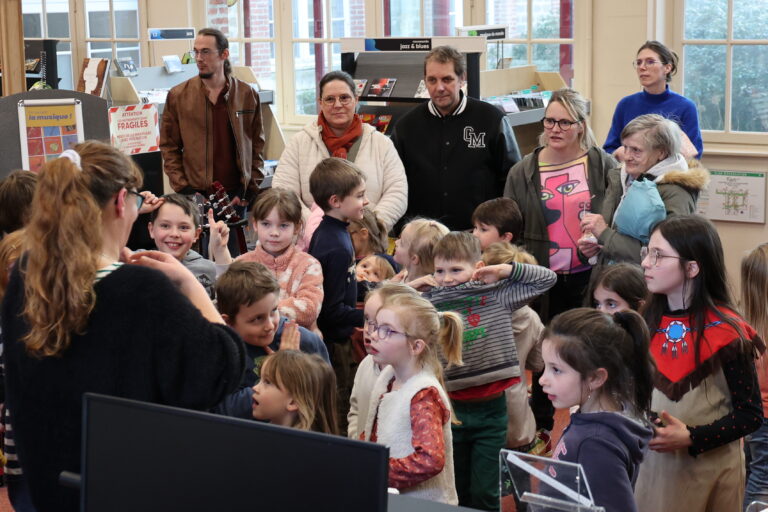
(655, 65)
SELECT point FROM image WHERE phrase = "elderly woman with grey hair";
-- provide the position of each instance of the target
(656, 181)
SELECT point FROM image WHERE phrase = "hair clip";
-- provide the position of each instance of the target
(73, 157)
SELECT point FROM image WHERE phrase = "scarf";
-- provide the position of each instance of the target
(338, 146)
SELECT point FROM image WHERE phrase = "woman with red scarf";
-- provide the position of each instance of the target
(338, 131)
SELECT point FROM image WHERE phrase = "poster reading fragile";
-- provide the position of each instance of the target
(46, 128)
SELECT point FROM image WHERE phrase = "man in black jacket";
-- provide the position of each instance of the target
(456, 150)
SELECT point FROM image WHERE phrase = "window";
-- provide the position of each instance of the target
(540, 32)
(725, 65)
(112, 29)
(409, 18)
(305, 37)
(251, 34)
(49, 19)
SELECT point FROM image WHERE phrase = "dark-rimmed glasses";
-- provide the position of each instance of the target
(564, 124)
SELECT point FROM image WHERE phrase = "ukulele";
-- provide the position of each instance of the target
(223, 210)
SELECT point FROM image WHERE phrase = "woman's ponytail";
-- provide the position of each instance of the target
(62, 244)
(64, 241)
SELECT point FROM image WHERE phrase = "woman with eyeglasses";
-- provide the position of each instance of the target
(76, 319)
(656, 181)
(555, 186)
(655, 65)
(340, 132)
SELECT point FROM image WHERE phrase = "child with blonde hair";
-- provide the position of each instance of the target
(406, 337)
(754, 297)
(527, 328)
(297, 390)
(276, 218)
(368, 371)
(413, 250)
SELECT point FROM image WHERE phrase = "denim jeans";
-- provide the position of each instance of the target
(756, 445)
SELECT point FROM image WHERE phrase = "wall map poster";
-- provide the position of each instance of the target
(734, 195)
(46, 128)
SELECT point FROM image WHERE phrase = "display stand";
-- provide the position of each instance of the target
(544, 484)
(95, 122)
(32, 49)
(403, 60)
(757, 506)
(526, 124)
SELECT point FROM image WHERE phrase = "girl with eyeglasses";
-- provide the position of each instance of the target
(655, 65)
(706, 395)
(410, 411)
(76, 319)
(339, 131)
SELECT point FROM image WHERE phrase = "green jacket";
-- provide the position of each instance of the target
(524, 186)
(679, 190)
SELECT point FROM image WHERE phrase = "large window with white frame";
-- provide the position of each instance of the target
(725, 67)
(410, 18)
(540, 32)
(112, 29)
(49, 19)
(309, 39)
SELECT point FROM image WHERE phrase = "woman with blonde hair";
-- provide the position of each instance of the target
(567, 176)
(75, 319)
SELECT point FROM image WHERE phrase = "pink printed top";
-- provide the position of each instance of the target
(301, 283)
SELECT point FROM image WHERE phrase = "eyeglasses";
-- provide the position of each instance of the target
(564, 124)
(645, 63)
(654, 256)
(382, 331)
(205, 52)
(344, 99)
(139, 198)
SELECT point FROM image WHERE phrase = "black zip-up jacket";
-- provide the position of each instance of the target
(454, 163)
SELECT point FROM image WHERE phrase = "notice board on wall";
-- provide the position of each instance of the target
(737, 196)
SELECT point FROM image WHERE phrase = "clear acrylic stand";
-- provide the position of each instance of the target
(541, 484)
(757, 506)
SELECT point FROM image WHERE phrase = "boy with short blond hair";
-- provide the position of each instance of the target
(497, 220)
(486, 297)
(247, 296)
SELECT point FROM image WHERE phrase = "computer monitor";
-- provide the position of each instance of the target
(149, 457)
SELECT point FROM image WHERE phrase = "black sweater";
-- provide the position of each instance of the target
(331, 245)
(143, 341)
(456, 162)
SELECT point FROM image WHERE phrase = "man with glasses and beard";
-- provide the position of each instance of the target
(211, 127)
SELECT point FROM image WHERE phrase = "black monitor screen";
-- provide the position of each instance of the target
(148, 457)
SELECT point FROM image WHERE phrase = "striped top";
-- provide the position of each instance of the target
(488, 348)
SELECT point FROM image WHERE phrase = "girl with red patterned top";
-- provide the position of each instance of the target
(706, 390)
(412, 410)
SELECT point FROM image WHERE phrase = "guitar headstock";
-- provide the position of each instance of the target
(223, 207)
